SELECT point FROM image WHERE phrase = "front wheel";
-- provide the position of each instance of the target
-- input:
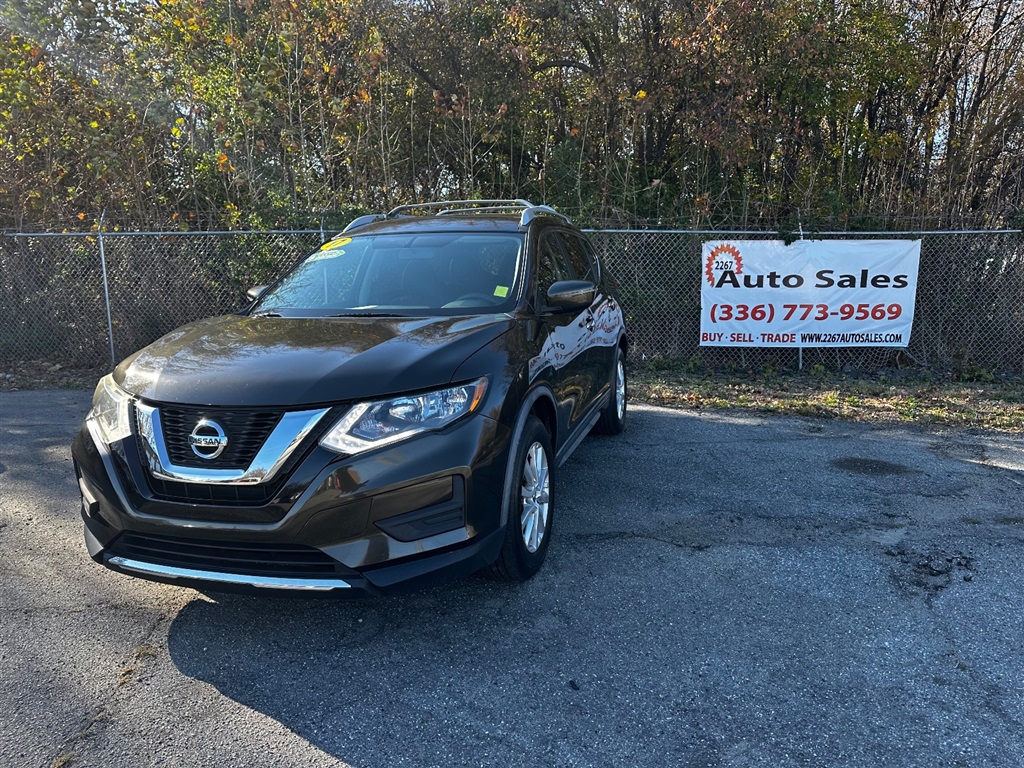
(613, 417)
(530, 506)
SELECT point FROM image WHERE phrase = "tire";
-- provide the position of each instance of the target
(530, 506)
(613, 417)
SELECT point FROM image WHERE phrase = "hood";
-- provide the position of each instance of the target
(245, 361)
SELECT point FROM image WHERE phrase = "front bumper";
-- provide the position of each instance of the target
(390, 520)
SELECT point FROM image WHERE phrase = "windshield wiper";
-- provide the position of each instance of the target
(366, 314)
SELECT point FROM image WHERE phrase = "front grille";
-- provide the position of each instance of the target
(246, 431)
(255, 425)
(252, 559)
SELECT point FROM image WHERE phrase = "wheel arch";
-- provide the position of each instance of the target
(540, 402)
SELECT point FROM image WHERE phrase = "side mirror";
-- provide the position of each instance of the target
(567, 295)
(256, 291)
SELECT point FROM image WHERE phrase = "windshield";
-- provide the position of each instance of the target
(448, 273)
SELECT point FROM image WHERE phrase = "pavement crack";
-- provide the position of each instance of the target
(137, 663)
(753, 529)
(632, 535)
(61, 610)
(91, 725)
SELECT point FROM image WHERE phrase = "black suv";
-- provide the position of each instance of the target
(390, 411)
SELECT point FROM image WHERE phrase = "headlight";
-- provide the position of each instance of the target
(371, 425)
(110, 411)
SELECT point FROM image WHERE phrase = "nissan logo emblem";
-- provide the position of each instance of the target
(208, 440)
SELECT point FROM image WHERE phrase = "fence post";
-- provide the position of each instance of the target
(106, 293)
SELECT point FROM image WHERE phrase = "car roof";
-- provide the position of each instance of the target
(459, 216)
(477, 222)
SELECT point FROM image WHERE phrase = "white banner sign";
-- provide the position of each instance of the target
(813, 293)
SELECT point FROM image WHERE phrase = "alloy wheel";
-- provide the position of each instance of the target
(536, 496)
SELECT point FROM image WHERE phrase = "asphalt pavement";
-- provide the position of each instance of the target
(722, 590)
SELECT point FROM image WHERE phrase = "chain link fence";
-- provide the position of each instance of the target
(88, 299)
(969, 312)
(85, 300)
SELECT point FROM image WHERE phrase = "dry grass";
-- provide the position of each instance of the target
(896, 397)
(40, 374)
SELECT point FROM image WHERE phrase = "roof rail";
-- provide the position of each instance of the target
(362, 221)
(481, 209)
(449, 207)
(541, 210)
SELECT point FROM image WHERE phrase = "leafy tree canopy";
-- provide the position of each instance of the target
(753, 113)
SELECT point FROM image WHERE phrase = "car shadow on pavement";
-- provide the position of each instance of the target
(573, 667)
(473, 673)
(699, 606)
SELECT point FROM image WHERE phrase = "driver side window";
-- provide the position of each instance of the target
(582, 264)
(551, 265)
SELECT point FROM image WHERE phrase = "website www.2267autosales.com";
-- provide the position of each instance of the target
(810, 339)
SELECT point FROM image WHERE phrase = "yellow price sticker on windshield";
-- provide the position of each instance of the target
(501, 291)
(335, 243)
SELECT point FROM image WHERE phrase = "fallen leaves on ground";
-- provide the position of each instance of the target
(927, 400)
(43, 374)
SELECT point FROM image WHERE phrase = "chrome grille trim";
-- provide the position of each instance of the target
(282, 441)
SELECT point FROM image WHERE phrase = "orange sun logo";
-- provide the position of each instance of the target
(723, 257)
